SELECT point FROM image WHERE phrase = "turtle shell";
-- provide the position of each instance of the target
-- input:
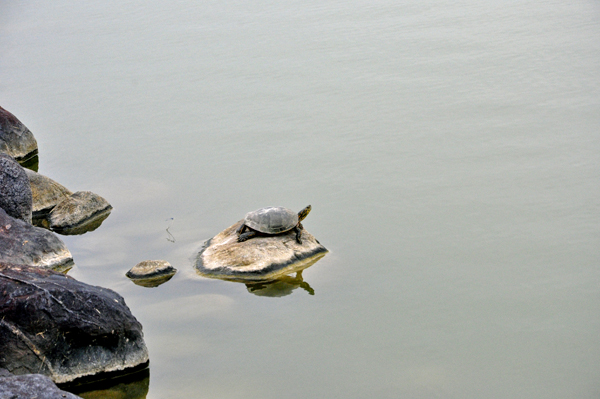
(271, 220)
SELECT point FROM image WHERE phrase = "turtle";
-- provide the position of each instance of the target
(272, 221)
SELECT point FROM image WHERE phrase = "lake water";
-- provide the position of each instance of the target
(450, 151)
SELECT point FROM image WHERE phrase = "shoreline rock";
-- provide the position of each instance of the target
(57, 326)
(15, 191)
(46, 194)
(15, 139)
(22, 243)
(31, 386)
(79, 213)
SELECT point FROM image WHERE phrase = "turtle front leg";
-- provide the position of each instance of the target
(241, 229)
(299, 229)
(246, 236)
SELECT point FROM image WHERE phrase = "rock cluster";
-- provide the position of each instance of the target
(34, 198)
(50, 323)
(59, 209)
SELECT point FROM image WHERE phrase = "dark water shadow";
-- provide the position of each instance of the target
(30, 161)
(133, 385)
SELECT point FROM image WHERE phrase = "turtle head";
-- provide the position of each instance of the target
(304, 213)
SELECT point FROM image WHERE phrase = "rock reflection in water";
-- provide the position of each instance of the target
(281, 287)
(131, 386)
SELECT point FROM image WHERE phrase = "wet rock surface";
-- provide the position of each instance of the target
(15, 139)
(79, 213)
(31, 386)
(46, 194)
(15, 191)
(22, 243)
(55, 325)
(151, 273)
(260, 258)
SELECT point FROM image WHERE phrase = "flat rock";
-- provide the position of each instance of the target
(54, 325)
(15, 139)
(15, 191)
(83, 211)
(31, 386)
(24, 244)
(151, 273)
(46, 194)
(260, 258)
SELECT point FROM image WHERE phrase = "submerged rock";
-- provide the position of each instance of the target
(15, 191)
(83, 211)
(24, 244)
(46, 194)
(15, 139)
(151, 273)
(260, 258)
(55, 325)
(31, 386)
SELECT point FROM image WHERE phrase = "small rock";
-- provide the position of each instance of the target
(54, 325)
(151, 273)
(261, 258)
(46, 195)
(15, 191)
(24, 244)
(15, 139)
(31, 386)
(83, 211)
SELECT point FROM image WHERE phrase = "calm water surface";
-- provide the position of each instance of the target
(450, 151)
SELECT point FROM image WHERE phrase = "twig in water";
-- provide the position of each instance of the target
(171, 238)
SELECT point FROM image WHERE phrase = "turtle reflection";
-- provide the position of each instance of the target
(283, 286)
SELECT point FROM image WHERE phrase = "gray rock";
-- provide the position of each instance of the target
(262, 258)
(31, 386)
(83, 211)
(54, 325)
(15, 139)
(24, 244)
(151, 268)
(15, 191)
(46, 194)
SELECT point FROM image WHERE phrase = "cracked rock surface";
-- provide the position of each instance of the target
(54, 325)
